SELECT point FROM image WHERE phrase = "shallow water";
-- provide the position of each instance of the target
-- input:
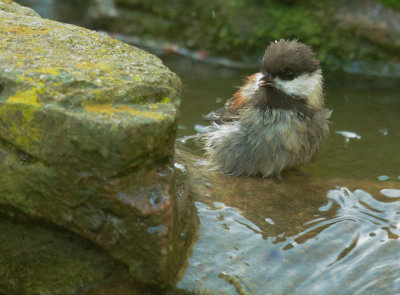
(355, 251)
(332, 242)
(365, 129)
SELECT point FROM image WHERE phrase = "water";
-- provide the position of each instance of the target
(301, 237)
(366, 108)
(355, 251)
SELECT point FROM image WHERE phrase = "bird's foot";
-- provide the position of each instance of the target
(299, 172)
(277, 177)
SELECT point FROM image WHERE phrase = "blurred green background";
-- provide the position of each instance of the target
(357, 36)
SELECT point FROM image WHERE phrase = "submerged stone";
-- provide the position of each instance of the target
(87, 127)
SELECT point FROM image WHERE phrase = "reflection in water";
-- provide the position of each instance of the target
(348, 135)
(351, 246)
(391, 193)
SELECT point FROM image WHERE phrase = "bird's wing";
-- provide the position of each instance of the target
(214, 115)
(223, 115)
(239, 100)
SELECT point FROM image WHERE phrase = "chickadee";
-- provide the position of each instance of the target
(276, 120)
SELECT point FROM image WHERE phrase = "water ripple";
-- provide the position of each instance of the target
(361, 206)
(352, 246)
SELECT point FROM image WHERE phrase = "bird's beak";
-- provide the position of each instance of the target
(266, 80)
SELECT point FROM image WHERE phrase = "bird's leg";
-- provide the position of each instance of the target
(300, 172)
(277, 177)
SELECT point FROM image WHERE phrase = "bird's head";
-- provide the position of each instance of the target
(290, 76)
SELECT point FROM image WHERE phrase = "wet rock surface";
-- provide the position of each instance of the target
(87, 126)
(302, 235)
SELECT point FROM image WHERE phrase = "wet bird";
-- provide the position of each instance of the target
(276, 120)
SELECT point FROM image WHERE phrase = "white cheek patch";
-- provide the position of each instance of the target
(307, 86)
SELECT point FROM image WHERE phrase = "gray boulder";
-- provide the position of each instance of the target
(87, 128)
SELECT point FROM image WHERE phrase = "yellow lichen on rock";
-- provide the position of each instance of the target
(18, 114)
(47, 70)
(21, 131)
(25, 97)
(109, 109)
(85, 65)
(22, 30)
(88, 65)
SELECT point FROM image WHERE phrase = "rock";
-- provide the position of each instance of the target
(43, 259)
(371, 20)
(13, 7)
(87, 130)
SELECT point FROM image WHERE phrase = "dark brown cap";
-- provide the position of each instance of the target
(291, 55)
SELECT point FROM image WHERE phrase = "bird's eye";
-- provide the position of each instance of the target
(288, 75)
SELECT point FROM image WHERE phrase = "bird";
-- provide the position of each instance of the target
(276, 121)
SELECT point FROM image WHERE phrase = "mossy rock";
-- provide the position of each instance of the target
(67, 92)
(87, 130)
